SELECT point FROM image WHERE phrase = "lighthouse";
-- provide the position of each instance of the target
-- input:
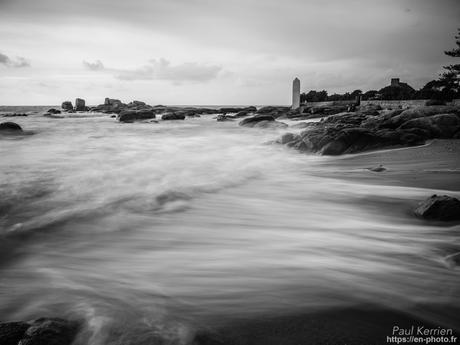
(296, 93)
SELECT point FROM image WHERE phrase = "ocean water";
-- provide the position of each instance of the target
(149, 231)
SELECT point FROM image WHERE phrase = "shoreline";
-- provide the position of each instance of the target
(434, 165)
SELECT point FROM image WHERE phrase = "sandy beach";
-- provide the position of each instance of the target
(435, 165)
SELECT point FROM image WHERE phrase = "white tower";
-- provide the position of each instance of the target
(296, 93)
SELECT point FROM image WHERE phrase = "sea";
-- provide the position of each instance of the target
(154, 230)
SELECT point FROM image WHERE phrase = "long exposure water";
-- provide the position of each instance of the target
(150, 229)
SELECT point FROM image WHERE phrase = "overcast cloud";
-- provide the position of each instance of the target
(17, 62)
(218, 52)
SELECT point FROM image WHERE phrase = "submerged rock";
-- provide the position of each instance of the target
(14, 114)
(10, 127)
(439, 207)
(378, 168)
(43, 331)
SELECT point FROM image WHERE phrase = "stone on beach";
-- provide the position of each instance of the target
(439, 207)
(378, 168)
(10, 127)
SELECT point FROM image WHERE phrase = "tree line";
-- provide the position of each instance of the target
(446, 87)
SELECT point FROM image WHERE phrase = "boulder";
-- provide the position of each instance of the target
(251, 121)
(6, 127)
(53, 111)
(439, 207)
(222, 117)
(272, 110)
(431, 102)
(236, 109)
(12, 332)
(173, 116)
(287, 138)
(67, 105)
(134, 115)
(269, 124)
(43, 331)
(80, 104)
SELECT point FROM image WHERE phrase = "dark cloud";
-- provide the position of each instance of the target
(162, 69)
(94, 66)
(18, 62)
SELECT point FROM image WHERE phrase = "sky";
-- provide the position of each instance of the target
(213, 52)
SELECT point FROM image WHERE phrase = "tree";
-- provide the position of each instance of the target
(450, 80)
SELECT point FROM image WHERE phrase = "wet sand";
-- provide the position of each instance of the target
(364, 325)
(435, 165)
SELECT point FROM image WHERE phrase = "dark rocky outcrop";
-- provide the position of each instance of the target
(80, 104)
(251, 121)
(14, 115)
(222, 118)
(360, 131)
(173, 116)
(53, 111)
(135, 115)
(236, 110)
(439, 207)
(10, 127)
(262, 121)
(43, 331)
(67, 105)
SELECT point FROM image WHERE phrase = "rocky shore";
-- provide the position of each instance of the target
(371, 128)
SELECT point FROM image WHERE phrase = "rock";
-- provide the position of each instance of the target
(53, 111)
(80, 104)
(222, 117)
(378, 168)
(273, 110)
(287, 138)
(435, 102)
(12, 332)
(133, 115)
(67, 105)
(251, 121)
(14, 114)
(173, 116)
(269, 124)
(50, 331)
(303, 125)
(10, 127)
(442, 207)
(414, 113)
(44, 331)
(136, 103)
(236, 110)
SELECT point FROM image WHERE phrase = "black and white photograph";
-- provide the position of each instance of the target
(229, 172)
